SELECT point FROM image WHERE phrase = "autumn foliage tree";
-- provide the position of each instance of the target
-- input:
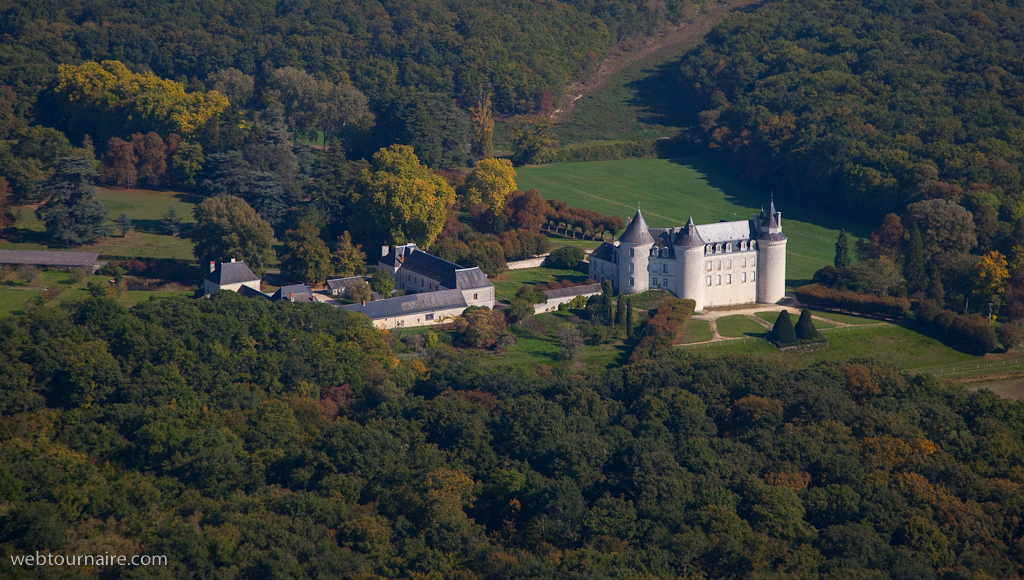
(399, 200)
(226, 227)
(490, 182)
(482, 127)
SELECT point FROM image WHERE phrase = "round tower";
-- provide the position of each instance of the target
(634, 256)
(771, 259)
(690, 256)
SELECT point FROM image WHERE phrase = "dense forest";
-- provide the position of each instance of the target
(868, 106)
(245, 438)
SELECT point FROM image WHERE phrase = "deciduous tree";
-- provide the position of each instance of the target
(305, 257)
(347, 259)
(399, 199)
(490, 182)
(482, 124)
(226, 227)
(119, 164)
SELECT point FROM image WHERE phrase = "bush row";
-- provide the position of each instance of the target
(663, 148)
(825, 297)
(969, 333)
(661, 330)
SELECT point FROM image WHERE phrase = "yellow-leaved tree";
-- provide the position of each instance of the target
(490, 182)
(131, 102)
(990, 275)
(399, 200)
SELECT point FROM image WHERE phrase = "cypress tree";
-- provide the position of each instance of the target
(842, 250)
(629, 318)
(783, 332)
(805, 327)
(620, 311)
(606, 302)
(935, 290)
(913, 262)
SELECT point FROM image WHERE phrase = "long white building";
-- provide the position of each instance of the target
(720, 264)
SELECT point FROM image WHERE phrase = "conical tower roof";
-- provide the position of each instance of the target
(637, 231)
(689, 237)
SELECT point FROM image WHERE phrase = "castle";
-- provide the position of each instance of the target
(721, 264)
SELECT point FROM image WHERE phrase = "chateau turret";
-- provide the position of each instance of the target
(634, 255)
(771, 259)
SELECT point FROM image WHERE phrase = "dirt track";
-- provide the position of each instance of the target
(659, 47)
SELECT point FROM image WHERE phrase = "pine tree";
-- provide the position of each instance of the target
(172, 221)
(620, 311)
(913, 262)
(124, 224)
(783, 333)
(606, 302)
(842, 251)
(72, 214)
(805, 329)
(629, 318)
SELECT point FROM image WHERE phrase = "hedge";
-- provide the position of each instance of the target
(825, 297)
(970, 333)
(661, 330)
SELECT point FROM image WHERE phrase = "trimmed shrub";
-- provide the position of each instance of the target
(565, 258)
(824, 297)
(783, 333)
(805, 327)
(1011, 334)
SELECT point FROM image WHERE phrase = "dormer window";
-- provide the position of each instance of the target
(743, 246)
(718, 248)
(728, 247)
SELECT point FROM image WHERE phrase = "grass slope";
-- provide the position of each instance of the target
(146, 209)
(738, 325)
(669, 189)
(509, 282)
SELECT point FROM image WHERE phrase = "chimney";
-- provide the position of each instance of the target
(291, 297)
(213, 266)
(364, 302)
(232, 260)
(384, 250)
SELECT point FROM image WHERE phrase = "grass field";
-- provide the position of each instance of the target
(508, 283)
(738, 325)
(145, 207)
(893, 344)
(696, 331)
(668, 190)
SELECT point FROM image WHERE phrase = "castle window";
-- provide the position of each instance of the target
(664, 268)
(718, 280)
(631, 267)
(718, 248)
(630, 281)
(428, 317)
(709, 266)
(654, 252)
(728, 278)
(654, 282)
(744, 262)
(664, 282)
(474, 296)
(743, 246)
(743, 277)
(718, 266)
(631, 252)
(728, 247)
(709, 280)
(728, 264)
(751, 276)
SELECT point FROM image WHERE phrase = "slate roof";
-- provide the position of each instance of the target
(637, 231)
(302, 293)
(470, 278)
(663, 241)
(231, 273)
(48, 258)
(410, 304)
(342, 283)
(603, 252)
(727, 231)
(688, 236)
(573, 291)
(251, 293)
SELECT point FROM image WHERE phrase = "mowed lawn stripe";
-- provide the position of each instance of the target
(668, 190)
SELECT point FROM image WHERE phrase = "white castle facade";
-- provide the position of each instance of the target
(720, 264)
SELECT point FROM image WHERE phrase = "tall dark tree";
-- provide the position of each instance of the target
(783, 332)
(606, 302)
(124, 224)
(842, 250)
(913, 262)
(172, 221)
(620, 311)
(805, 329)
(306, 257)
(935, 290)
(629, 318)
(71, 213)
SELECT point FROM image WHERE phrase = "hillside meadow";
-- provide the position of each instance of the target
(667, 190)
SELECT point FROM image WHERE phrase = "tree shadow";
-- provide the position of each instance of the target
(652, 97)
(24, 236)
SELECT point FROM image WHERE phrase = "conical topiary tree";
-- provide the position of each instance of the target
(805, 327)
(783, 333)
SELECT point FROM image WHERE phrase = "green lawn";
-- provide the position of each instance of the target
(650, 299)
(508, 283)
(893, 344)
(696, 331)
(12, 300)
(669, 189)
(738, 325)
(145, 207)
(846, 318)
(560, 240)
